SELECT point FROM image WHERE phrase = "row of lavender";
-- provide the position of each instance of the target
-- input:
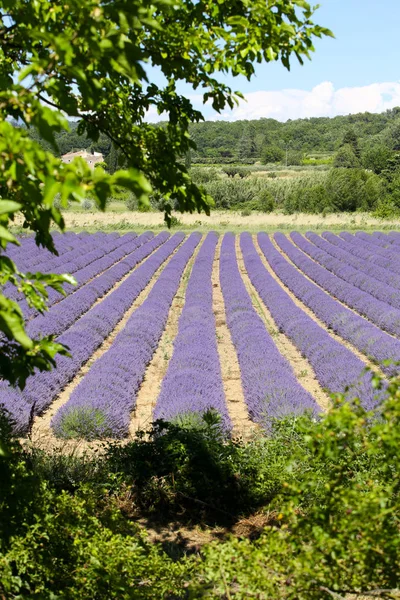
(341, 250)
(364, 293)
(86, 267)
(63, 314)
(377, 311)
(326, 355)
(365, 336)
(28, 253)
(71, 260)
(102, 403)
(83, 338)
(269, 384)
(193, 382)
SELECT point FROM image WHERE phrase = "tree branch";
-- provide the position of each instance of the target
(88, 120)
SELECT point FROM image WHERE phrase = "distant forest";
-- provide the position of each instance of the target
(266, 140)
(348, 163)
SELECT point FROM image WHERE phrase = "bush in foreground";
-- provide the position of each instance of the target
(339, 524)
(328, 492)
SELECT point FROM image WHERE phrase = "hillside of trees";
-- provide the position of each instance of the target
(251, 140)
(348, 163)
(265, 140)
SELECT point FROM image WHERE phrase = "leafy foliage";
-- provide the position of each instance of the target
(344, 538)
(272, 154)
(326, 495)
(376, 158)
(346, 158)
(86, 61)
(353, 189)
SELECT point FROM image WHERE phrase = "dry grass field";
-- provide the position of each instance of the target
(227, 221)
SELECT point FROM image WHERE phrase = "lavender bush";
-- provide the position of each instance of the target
(193, 382)
(336, 368)
(86, 251)
(360, 249)
(377, 311)
(270, 387)
(341, 250)
(382, 256)
(101, 404)
(354, 271)
(366, 337)
(63, 314)
(82, 338)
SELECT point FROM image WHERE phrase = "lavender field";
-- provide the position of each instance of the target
(171, 325)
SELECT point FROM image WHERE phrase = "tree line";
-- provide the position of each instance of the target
(265, 140)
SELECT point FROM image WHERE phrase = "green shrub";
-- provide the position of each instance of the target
(272, 154)
(376, 158)
(265, 201)
(337, 529)
(294, 158)
(84, 423)
(386, 208)
(239, 172)
(346, 158)
(175, 222)
(131, 203)
(353, 189)
(202, 175)
(199, 468)
(313, 199)
(232, 193)
(67, 551)
(262, 202)
(54, 544)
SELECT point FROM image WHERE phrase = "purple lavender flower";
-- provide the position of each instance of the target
(101, 404)
(360, 274)
(335, 367)
(193, 382)
(269, 384)
(366, 337)
(377, 311)
(83, 338)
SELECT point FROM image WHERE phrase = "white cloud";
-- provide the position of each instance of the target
(322, 101)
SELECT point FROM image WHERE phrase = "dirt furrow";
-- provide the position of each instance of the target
(42, 434)
(149, 391)
(317, 284)
(243, 426)
(308, 311)
(301, 367)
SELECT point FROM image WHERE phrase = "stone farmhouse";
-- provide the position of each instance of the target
(91, 158)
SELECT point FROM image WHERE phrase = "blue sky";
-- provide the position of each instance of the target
(365, 50)
(358, 70)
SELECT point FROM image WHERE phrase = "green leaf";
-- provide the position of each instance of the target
(12, 323)
(9, 206)
(7, 236)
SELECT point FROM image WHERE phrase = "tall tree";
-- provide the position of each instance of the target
(350, 138)
(87, 60)
(346, 158)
